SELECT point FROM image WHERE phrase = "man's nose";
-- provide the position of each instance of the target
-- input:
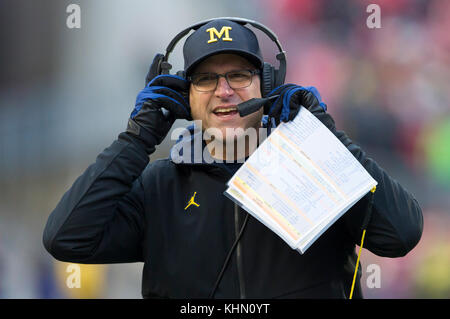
(223, 89)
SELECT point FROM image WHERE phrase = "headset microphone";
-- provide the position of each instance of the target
(253, 105)
(244, 108)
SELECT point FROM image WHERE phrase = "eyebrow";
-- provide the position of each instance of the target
(233, 70)
(244, 66)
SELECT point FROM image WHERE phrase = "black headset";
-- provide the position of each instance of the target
(270, 76)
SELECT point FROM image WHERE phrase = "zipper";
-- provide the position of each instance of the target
(239, 254)
(239, 261)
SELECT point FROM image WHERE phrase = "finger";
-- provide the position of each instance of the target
(275, 109)
(157, 101)
(153, 70)
(164, 97)
(171, 93)
(176, 109)
(313, 91)
(172, 81)
(280, 89)
(307, 99)
(294, 109)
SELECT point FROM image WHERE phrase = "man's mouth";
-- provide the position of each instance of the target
(225, 111)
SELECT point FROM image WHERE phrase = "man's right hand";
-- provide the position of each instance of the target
(148, 121)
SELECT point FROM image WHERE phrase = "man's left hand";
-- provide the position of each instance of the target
(291, 98)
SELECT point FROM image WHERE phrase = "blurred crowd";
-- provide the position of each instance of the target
(387, 87)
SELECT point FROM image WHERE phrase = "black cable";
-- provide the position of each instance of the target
(227, 260)
(369, 209)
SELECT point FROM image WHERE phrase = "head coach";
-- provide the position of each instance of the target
(172, 215)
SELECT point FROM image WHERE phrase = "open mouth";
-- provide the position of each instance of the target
(226, 111)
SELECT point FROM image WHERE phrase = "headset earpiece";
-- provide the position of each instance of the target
(164, 67)
(267, 79)
(280, 73)
(182, 74)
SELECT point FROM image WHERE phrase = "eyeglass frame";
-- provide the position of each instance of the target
(224, 75)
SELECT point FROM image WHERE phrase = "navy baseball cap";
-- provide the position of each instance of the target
(221, 36)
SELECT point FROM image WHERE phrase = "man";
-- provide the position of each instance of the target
(122, 209)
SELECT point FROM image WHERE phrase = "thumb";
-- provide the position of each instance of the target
(154, 68)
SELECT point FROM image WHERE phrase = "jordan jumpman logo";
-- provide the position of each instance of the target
(191, 201)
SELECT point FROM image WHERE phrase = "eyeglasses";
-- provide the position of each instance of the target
(207, 82)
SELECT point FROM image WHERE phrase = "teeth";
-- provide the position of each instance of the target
(225, 110)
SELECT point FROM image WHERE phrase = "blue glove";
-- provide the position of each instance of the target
(147, 120)
(291, 98)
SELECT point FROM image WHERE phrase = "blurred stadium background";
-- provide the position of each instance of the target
(65, 94)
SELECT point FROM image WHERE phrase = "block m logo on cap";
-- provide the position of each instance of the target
(213, 32)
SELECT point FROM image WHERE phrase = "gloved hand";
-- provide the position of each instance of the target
(291, 98)
(153, 70)
(324, 117)
(147, 121)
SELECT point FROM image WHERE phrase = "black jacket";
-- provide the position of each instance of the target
(123, 209)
